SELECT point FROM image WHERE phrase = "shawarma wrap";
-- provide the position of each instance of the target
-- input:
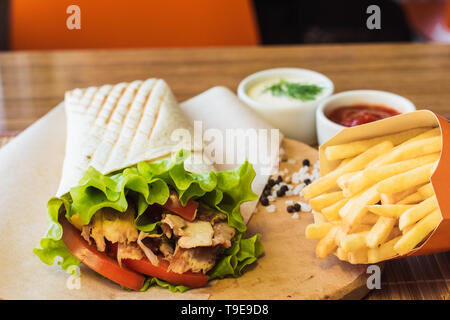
(134, 205)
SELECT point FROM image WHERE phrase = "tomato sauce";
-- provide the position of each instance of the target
(350, 116)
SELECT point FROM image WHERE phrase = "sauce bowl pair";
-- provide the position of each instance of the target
(307, 121)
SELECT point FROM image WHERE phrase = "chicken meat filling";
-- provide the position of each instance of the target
(186, 245)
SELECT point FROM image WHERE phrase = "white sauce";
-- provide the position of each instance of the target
(259, 93)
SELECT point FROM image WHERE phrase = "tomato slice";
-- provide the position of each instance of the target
(144, 266)
(187, 212)
(98, 261)
(189, 279)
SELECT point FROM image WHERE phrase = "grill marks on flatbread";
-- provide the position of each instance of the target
(115, 126)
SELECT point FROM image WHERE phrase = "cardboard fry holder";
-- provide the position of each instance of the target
(439, 240)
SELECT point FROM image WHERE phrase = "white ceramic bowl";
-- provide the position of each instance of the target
(326, 128)
(295, 121)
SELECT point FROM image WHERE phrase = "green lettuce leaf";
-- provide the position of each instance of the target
(155, 281)
(242, 253)
(150, 183)
(51, 249)
(51, 245)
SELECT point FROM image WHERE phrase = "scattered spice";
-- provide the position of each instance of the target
(286, 185)
(264, 201)
(271, 182)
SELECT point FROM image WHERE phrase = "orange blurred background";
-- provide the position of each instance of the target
(135, 23)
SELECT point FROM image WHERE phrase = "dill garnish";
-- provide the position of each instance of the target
(303, 92)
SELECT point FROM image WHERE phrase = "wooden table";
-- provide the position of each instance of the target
(34, 82)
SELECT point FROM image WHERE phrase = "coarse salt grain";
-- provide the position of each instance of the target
(289, 202)
(295, 216)
(305, 207)
(298, 188)
(270, 208)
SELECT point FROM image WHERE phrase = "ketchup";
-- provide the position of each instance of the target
(354, 115)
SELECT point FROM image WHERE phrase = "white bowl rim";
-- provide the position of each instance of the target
(242, 94)
(409, 106)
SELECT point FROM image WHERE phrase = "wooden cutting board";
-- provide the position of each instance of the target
(289, 268)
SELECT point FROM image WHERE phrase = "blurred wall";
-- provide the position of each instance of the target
(132, 23)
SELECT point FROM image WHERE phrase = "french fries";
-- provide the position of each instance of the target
(332, 212)
(318, 230)
(327, 244)
(417, 212)
(341, 254)
(415, 197)
(383, 252)
(328, 181)
(426, 191)
(372, 175)
(417, 233)
(406, 180)
(392, 198)
(358, 256)
(412, 150)
(354, 241)
(389, 210)
(385, 205)
(355, 148)
(325, 200)
(380, 231)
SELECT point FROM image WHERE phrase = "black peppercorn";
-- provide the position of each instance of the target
(306, 163)
(280, 179)
(290, 209)
(307, 181)
(264, 201)
(281, 193)
(284, 188)
(266, 192)
(271, 182)
(297, 207)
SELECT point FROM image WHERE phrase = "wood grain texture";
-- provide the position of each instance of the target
(34, 82)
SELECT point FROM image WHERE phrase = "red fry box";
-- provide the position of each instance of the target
(439, 239)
